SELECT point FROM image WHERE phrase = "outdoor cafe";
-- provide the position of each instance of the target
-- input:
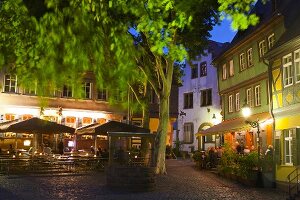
(36, 145)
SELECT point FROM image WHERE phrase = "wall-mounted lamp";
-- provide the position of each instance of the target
(182, 113)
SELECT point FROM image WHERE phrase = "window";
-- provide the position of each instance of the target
(242, 62)
(249, 97)
(206, 97)
(10, 117)
(287, 70)
(188, 134)
(237, 101)
(231, 68)
(257, 95)
(101, 94)
(87, 90)
(271, 40)
(117, 95)
(188, 100)
(203, 69)
(10, 83)
(297, 65)
(250, 57)
(194, 72)
(153, 97)
(70, 121)
(288, 146)
(67, 91)
(230, 103)
(30, 90)
(224, 72)
(86, 120)
(262, 48)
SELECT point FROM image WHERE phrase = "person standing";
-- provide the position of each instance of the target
(61, 147)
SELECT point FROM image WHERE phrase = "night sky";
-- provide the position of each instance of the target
(223, 33)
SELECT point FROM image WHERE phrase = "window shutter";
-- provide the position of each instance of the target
(294, 148)
(278, 156)
(297, 154)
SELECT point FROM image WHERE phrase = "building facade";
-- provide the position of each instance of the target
(21, 103)
(284, 67)
(243, 80)
(199, 102)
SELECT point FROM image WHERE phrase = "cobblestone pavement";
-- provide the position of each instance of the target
(182, 182)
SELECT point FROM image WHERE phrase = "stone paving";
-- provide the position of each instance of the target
(182, 182)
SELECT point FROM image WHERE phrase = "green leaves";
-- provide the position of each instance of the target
(239, 12)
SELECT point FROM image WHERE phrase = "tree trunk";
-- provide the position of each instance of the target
(162, 134)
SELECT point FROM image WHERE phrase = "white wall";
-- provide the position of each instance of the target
(198, 115)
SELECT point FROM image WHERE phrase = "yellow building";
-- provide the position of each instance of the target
(284, 61)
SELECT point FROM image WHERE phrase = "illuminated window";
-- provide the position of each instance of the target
(231, 68)
(237, 101)
(250, 57)
(10, 83)
(287, 70)
(25, 117)
(242, 61)
(86, 120)
(9, 117)
(297, 65)
(249, 97)
(230, 103)
(224, 72)
(262, 48)
(271, 40)
(257, 95)
(288, 142)
(101, 120)
(70, 120)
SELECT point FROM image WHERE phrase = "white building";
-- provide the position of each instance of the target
(199, 103)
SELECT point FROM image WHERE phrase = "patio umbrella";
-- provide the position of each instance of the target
(111, 126)
(5, 125)
(37, 125)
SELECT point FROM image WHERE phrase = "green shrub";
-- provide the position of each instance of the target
(197, 156)
(247, 164)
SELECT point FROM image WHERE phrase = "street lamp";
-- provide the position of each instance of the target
(254, 124)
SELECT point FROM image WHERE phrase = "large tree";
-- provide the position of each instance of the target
(57, 45)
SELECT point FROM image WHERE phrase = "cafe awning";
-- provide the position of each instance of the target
(233, 125)
(36, 125)
(111, 126)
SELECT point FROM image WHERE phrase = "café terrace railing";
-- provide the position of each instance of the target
(41, 163)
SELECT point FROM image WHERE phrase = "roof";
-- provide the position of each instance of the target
(292, 21)
(266, 12)
(236, 124)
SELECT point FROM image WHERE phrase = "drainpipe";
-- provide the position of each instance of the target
(270, 95)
